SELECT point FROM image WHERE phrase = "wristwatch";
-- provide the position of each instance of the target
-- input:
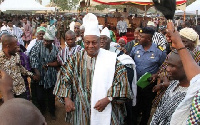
(110, 99)
(47, 65)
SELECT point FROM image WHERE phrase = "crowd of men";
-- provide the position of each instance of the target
(95, 75)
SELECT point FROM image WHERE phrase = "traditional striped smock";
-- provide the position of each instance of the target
(65, 53)
(163, 72)
(168, 104)
(159, 39)
(74, 80)
(39, 56)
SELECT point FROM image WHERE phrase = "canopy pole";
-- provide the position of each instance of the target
(196, 16)
(184, 16)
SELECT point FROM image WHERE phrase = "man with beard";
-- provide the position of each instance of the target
(106, 40)
(129, 64)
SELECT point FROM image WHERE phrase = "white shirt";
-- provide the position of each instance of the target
(29, 47)
(180, 116)
(3, 27)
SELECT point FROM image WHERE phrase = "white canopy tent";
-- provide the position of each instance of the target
(23, 5)
(193, 8)
(181, 12)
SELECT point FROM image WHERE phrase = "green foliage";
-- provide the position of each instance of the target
(101, 7)
(189, 2)
(67, 4)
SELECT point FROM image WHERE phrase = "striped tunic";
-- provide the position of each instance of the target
(74, 80)
(168, 104)
(163, 72)
(39, 56)
(65, 53)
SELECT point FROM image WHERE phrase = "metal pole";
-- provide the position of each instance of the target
(196, 16)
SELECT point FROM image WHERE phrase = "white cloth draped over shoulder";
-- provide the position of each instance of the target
(29, 47)
(126, 59)
(102, 81)
(180, 116)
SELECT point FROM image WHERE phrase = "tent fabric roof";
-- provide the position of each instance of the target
(126, 2)
(23, 5)
(193, 7)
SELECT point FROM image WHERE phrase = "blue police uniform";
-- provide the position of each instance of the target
(147, 61)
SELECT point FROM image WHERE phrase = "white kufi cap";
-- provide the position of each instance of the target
(106, 32)
(190, 34)
(90, 23)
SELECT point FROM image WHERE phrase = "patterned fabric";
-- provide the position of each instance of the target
(122, 26)
(113, 36)
(194, 117)
(159, 39)
(169, 102)
(30, 46)
(27, 32)
(17, 32)
(25, 62)
(40, 56)
(81, 43)
(162, 73)
(129, 46)
(65, 53)
(74, 80)
(13, 67)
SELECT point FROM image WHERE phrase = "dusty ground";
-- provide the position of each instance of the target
(60, 115)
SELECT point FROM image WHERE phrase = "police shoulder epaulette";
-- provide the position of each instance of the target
(136, 44)
(161, 48)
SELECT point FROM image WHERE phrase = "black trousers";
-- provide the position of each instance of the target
(23, 95)
(43, 96)
(34, 92)
(129, 117)
(144, 104)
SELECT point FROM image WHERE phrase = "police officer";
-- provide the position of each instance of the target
(148, 58)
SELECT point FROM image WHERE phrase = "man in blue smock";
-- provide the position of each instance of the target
(148, 58)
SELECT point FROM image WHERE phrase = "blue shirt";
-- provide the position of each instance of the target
(147, 61)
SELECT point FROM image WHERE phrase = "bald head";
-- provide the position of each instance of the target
(20, 112)
(7, 39)
(9, 44)
(175, 58)
(175, 67)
